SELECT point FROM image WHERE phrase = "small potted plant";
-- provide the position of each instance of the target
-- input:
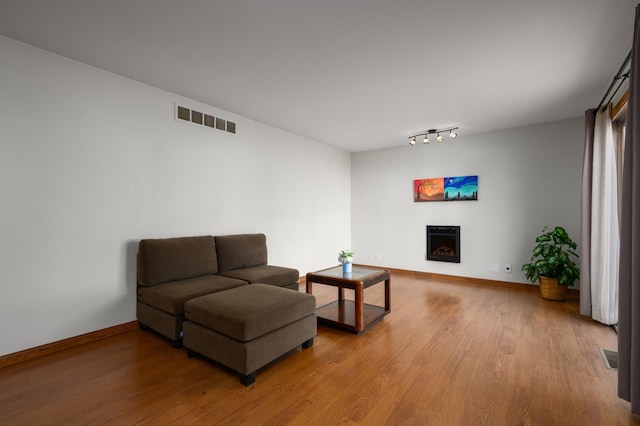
(552, 263)
(346, 258)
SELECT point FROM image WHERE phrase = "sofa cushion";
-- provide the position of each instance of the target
(171, 297)
(241, 251)
(266, 274)
(171, 259)
(248, 312)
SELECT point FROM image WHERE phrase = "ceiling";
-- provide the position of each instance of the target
(357, 74)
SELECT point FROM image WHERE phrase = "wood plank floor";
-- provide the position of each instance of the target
(449, 353)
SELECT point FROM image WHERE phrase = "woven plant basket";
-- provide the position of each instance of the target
(551, 290)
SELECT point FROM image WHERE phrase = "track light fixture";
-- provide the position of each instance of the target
(439, 138)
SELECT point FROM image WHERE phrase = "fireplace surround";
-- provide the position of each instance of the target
(443, 243)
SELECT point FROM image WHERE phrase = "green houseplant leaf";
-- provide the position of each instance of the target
(553, 257)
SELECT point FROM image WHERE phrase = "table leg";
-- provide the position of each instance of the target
(308, 281)
(359, 307)
(340, 295)
(387, 294)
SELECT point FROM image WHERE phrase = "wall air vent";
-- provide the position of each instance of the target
(203, 119)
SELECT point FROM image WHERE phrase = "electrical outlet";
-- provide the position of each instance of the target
(507, 267)
(494, 267)
(378, 257)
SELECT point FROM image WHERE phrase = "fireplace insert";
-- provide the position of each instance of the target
(443, 243)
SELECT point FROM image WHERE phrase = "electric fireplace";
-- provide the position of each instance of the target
(443, 243)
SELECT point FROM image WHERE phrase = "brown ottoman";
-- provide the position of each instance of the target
(247, 327)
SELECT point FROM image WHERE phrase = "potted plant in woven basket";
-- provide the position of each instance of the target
(552, 263)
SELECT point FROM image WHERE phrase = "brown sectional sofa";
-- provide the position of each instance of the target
(172, 271)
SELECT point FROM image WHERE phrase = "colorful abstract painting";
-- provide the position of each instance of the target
(456, 188)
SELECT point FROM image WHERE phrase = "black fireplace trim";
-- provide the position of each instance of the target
(439, 230)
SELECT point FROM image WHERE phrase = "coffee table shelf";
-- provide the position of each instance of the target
(343, 315)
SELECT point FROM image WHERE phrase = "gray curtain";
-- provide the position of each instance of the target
(585, 212)
(629, 307)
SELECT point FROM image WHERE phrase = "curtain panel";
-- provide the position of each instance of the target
(605, 230)
(585, 214)
(629, 308)
(599, 230)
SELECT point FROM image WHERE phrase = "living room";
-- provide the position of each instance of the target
(94, 162)
(99, 162)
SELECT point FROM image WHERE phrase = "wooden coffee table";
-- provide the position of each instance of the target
(353, 315)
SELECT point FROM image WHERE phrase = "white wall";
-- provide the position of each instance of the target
(528, 177)
(91, 162)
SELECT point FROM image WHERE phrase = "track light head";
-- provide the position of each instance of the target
(439, 138)
(412, 141)
(453, 135)
(426, 139)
